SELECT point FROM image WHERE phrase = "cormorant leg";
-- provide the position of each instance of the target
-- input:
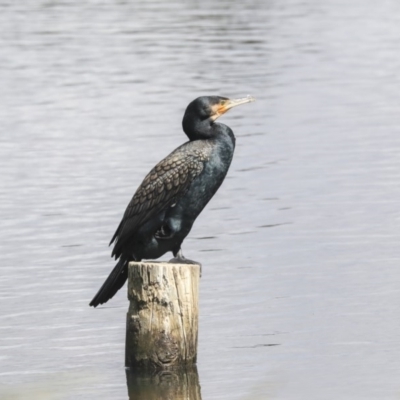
(180, 259)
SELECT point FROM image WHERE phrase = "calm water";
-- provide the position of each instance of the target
(300, 247)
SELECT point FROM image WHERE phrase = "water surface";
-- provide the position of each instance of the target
(300, 247)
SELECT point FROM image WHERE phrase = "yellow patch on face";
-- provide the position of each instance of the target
(224, 105)
(218, 110)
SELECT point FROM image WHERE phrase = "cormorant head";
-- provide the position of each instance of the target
(201, 113)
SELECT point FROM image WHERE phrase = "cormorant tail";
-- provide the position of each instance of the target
(113, 283)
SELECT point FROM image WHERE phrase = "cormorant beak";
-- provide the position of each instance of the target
(224, 105)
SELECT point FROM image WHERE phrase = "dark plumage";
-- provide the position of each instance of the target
(166, 204)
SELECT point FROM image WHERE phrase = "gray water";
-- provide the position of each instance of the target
(300, 247)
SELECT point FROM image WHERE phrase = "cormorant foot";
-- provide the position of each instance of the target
(180, 259)
(177, 260)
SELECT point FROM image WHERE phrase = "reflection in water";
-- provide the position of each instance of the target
(164, 385)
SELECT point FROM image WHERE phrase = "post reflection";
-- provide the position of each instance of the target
(164, 385)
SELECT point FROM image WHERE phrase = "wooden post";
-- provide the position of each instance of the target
(162, 320)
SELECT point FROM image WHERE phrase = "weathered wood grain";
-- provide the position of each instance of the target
(162, 320)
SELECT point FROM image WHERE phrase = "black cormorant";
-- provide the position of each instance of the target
(166, 204)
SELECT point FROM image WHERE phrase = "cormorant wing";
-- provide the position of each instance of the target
(164, 184)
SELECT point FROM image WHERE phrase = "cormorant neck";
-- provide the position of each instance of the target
(196, 128)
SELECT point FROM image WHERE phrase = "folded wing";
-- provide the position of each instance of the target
(161, 188)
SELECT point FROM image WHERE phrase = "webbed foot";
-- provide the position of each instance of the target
(180, 259)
